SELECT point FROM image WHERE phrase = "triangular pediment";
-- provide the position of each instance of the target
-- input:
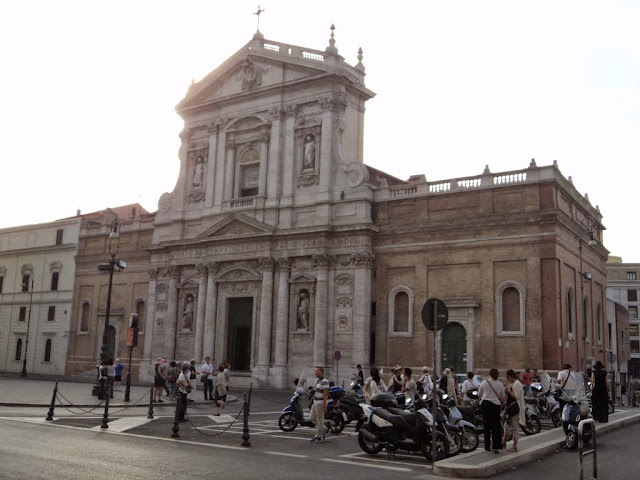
(237, 226)
(256, 66)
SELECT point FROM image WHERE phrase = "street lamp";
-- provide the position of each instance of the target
(587, 224)
(109, 267)
(26, 343)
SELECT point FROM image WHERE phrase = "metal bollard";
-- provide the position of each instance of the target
(246, 409)
(53, 403)
(176, 421)
(581, 447)
(105, 417)
(150, 413)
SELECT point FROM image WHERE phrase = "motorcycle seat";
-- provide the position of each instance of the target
(531, 400)
(466, 411)
(411, 418)
(395, 420)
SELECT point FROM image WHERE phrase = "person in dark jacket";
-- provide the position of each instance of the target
(599, 393)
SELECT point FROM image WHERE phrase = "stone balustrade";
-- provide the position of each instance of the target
(293, 51)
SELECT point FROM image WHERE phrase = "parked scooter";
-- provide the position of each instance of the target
(403, 430)
(575, 411)
(545, 404)
(468, 431)
(293, 414)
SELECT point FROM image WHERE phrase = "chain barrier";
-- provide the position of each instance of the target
(216, 433)
(84, 411)
(144, 395)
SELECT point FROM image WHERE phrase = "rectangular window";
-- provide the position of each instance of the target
(632, 295)
(54, 280)
(635, 346)
(25, 282)
(59, 236)
(634, 330)
(633, 312)
(51, 316)
(1, 283)
(23, 314)
(631, 276)
(250, 176)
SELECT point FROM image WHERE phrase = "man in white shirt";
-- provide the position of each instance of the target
(566, 384)
(467, 386)
(207, 369)
(424, 382)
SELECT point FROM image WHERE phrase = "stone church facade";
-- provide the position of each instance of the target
(279, 247)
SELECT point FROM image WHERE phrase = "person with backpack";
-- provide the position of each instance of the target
(172, 378)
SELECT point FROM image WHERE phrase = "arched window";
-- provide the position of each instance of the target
(47, 350)
(85, 316)
(141, 310)
(400, 308)
(249, 173)
(19, 349)
(54, 268)
(510, 308)
(26, 271)
(571, 313)
(599, 322)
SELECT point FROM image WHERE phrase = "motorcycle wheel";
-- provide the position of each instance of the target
(337, 423)
(367, 446)
(556, 418)
(611, 407)
(532, 427)
(287, 422)
(359, 424)
(470, 439)
(442, 446)
(455, 443)
(571, 441)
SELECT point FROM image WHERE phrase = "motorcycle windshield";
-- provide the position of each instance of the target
(545, 381)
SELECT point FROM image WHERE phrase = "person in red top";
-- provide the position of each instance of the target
(526, 381)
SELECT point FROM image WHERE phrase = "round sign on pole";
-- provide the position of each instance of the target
(337, 355)
(435, 314)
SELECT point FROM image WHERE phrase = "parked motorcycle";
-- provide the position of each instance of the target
(293, 414)
(403, 430)
(545, 404)
(575, 411)
(468, 431)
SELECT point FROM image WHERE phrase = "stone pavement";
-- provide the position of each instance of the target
(37, 392)
(482, 464)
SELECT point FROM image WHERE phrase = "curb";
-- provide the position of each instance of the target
(450, 468)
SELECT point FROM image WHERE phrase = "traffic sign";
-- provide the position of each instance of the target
(337, 355)
(435, 314)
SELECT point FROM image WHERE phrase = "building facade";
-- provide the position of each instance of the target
(37, 275)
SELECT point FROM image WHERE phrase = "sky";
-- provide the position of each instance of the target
(88, 91)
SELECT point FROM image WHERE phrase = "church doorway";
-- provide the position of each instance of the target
(111, 341)
(454, 348)
(239, 320)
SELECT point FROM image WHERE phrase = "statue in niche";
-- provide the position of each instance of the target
(198, 172)
(309, 153)
(187, 313)
(304, 303)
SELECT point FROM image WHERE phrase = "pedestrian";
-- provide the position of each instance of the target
(599, 393)
(158, 381)
(395, 383)
(515, 393)
(319, 407)
(172, 378)
(118, 379)
(103, 369)
(227, 375)
(492, 397)
(193, 377)
(111, 376)
(468, 386)
(221, 390)
(535, 376)
(207, 372)
(359, 375)
(447, 384)
(409, 387)
(526, 381)
(425, 385)
(183, 389)
(164, 371)
(565, 384)
(373, 385)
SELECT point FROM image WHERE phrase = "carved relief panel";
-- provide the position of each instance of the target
(344, 290)
(188, 300)
(308, 154)
(196, 174)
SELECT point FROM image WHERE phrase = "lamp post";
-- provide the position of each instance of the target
(26, 343)
(109, 267)
(586, 225)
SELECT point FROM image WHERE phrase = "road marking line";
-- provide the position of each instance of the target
(287, 454)
(418, 459)
(125, 423)
(221, 418)
(358, 464)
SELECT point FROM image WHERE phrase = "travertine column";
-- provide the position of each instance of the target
(266, 305)
(320, 315)
(150, 315)
(264, 156)
(229, 180)
(288, 172)
(202, 297)
(210, 312)
(362, 312)
(172, 315)
(282, 315)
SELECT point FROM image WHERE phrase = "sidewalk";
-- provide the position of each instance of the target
(481, 464)
(34, 392)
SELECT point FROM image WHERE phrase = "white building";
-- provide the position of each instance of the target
(37, 275)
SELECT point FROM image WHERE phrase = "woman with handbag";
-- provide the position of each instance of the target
(514, 410)
(491, 394)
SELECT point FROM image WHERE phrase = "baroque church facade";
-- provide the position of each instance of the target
(279, 248)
